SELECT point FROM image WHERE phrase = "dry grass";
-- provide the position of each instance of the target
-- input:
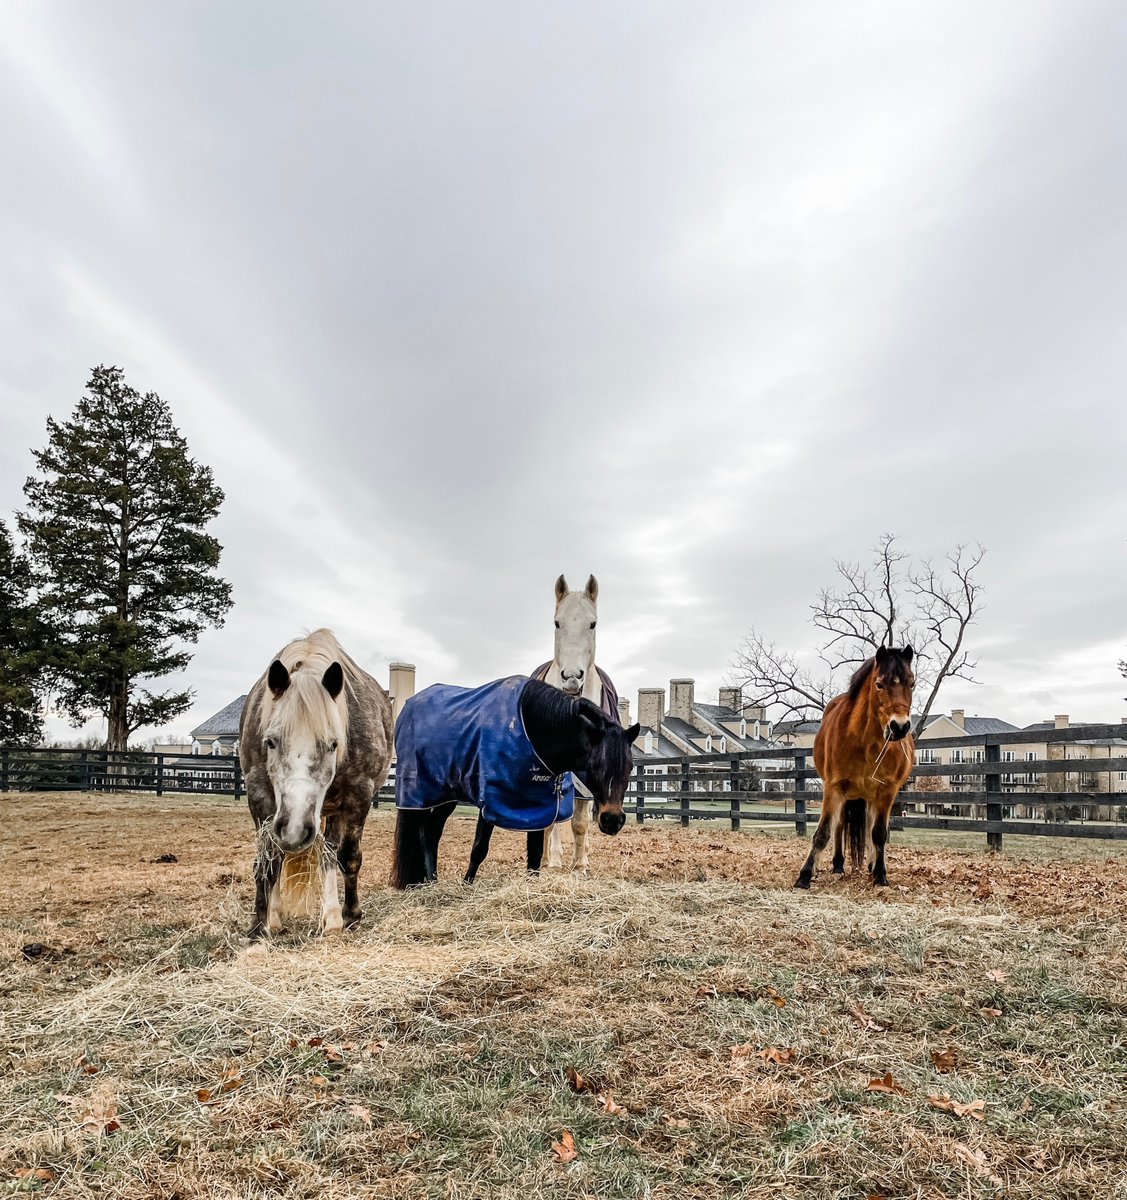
(426, 1055)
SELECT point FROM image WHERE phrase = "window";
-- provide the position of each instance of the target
(743, 728)
(649, 742)
(957, 756)
(723, 745)
(708, 744)
(756, 730)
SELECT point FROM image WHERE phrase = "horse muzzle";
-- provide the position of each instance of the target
(899, 730)
(611, 822)
(295, 836)
(572, 686)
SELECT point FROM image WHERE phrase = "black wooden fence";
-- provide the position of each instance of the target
(771, 785)
(780, 784)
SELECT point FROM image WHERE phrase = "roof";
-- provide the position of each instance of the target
(224, 723)
(682, 729)
(785, 727)
(718, 712)
(661, 747)
(988, 725)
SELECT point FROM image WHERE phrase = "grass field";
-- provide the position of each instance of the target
(680, 1024)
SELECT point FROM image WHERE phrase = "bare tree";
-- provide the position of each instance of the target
(889, 601)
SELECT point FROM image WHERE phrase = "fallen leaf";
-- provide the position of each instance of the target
(85, 1065)
(743, 1050)
(945, 1060)
(977, 1159)
(991, 1014)
(607, 1104)
(862, 1018)
(565, 1149)
(984, 890)
(364, 1114)
(203, 1095)
(886, 1084)
(43, 1174)
(774, 1055)
(371, 1048)
(1026, 1107)
(577, 1082)
(976, 1108)
(315, 1042)
(675, 1122)
(998, 976)
(319, 1081)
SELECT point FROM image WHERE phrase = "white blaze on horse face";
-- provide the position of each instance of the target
(301, 768)
(576, 616)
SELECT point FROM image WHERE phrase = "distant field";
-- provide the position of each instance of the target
(696, 1027)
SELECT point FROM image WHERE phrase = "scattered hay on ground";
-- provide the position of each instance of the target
(725, 1035)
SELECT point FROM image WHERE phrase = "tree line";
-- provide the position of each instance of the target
(115, 575)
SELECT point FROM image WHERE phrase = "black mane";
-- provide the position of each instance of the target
(897, 669)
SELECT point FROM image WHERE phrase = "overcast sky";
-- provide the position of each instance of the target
(698, 297)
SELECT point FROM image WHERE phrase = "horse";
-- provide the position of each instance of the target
(314, 746)
(573, 670)
(509, 748)
(860, 773)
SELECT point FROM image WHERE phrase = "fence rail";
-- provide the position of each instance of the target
(771, 786)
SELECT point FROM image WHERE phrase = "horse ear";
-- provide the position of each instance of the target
(277, 678)
(561, 589)
(333, 679)
(592, 588)
(882, 656)
(907, 653)
(632, 733)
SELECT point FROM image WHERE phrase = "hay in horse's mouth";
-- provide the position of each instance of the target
(301, 873)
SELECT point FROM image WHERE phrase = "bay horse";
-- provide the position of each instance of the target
(314, 746)
(573, 670)
(508, 747)
(861, 773)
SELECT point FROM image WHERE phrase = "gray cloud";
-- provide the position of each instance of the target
(455, 299)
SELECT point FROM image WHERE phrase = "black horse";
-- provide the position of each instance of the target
(566, 735)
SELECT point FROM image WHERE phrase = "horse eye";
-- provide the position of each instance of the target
(333, 745)
(557, 624)
(271, 744)
(592, 624)
(880, 687)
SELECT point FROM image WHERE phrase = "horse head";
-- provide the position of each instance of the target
(304, 740)
(610, 764)
(576, 616)
(893, 681)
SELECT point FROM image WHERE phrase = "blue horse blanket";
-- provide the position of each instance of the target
(454, 743)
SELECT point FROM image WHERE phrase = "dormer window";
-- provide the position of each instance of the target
(743, 728)
(756, 731)
(723, 745)
(708, 744)
(217, 747)
(649, 742)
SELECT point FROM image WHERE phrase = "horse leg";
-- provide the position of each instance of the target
(820, 842)
(555, 845)
(266, 919)
(535, 851)
(839, 848)
(350, 858)
(431, 833)
(580, 824)
(880, 840)
(482, 834)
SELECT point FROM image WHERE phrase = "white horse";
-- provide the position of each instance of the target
(573, 670)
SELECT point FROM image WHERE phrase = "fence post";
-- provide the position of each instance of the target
(799, 794)
(640, 805)
(160, 774)
(84, 765)
(993, 754)
(734, 785)
(4, 769)
(685, 780)
(238, 777)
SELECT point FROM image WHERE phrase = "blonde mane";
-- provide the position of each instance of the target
(306, 707)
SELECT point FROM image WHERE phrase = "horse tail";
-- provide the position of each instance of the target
(300, 883)
(407, 867)
(853, 816)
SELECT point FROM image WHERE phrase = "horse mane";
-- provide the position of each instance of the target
(306, 707)
(896, 672)
(861, 677)
(611, 757)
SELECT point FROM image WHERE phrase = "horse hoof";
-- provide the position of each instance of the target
(802, 883)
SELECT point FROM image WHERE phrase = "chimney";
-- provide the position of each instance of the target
(731, 697)
(754, 712)
(959, 716)
(651, 707)
(1061, 720)
(401, 685)
(681, 699)
(624, 712)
